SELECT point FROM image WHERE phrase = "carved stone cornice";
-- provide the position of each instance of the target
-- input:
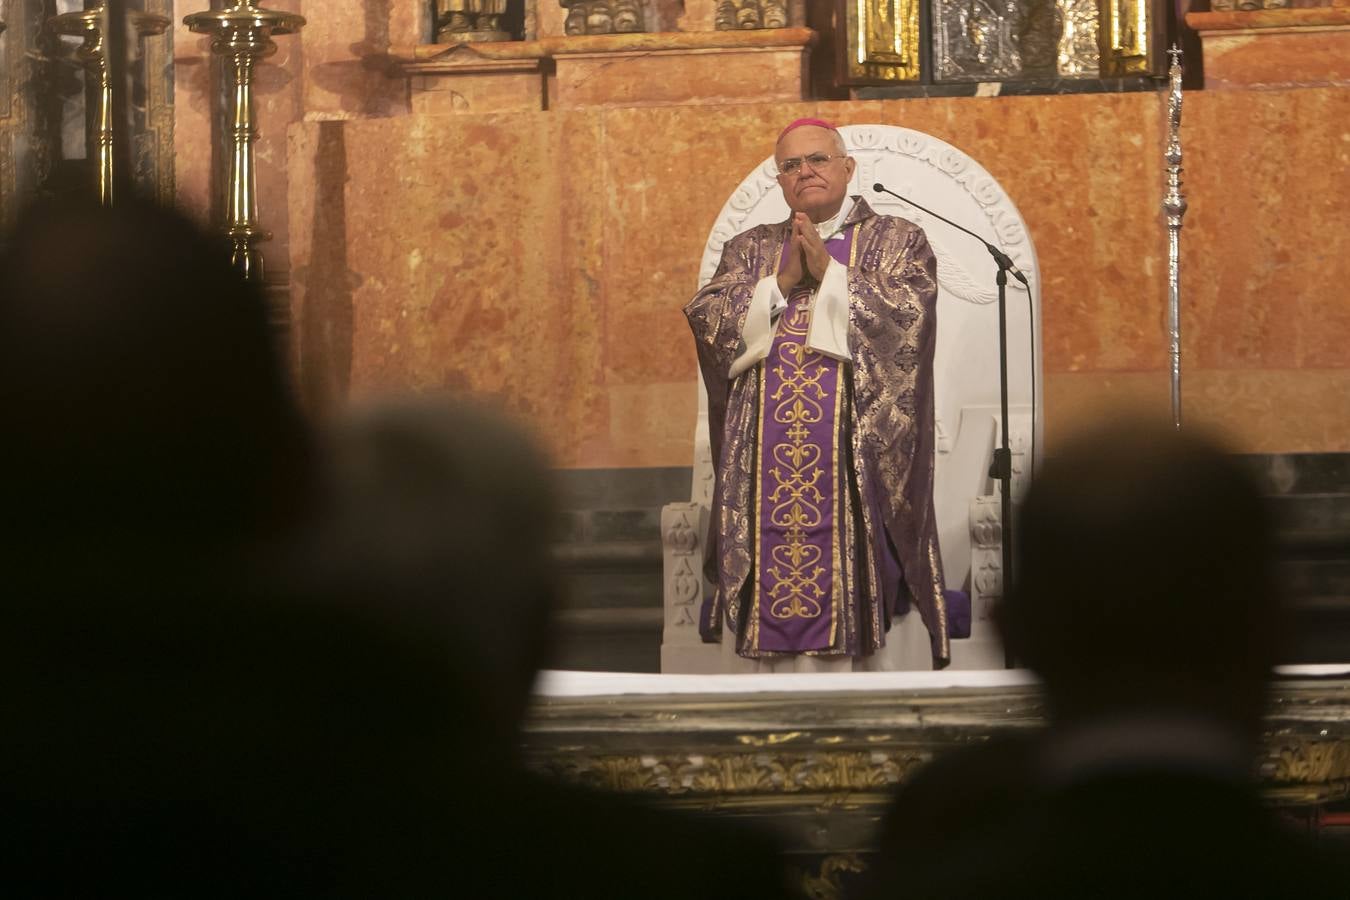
(1236, 19)
(1261, 49)
(403, 57)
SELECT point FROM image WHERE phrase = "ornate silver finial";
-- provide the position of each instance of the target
(1174, 205)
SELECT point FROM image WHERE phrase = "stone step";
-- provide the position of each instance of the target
(639, 488)
(1319, 632)
(611, 574)
(609, 590)
(1315, 578)
(1300, 473)
(611, 560)
(608, 556)
(1304, 516)
(621, 639)
(619, 618)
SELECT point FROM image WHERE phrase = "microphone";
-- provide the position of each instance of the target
(1004, 261)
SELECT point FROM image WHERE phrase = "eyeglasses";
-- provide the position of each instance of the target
(816, 161)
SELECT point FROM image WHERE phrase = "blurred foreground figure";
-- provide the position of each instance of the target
(151, 455)
(230, 666)
(1145, 601)
(142, 397)
(440, 521)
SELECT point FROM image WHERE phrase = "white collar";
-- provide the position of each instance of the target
(831, 226)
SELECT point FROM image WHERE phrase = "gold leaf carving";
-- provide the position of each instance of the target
(828, 885)
(736, 773)
(1308, 762)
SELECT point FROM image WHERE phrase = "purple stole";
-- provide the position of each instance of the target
(799, 572)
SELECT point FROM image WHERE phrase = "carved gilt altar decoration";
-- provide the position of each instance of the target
(815, 758)
(882, 41)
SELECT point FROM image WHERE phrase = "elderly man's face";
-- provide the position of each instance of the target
(815, 189)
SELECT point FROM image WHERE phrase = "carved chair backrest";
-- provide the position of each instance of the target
(937, 175)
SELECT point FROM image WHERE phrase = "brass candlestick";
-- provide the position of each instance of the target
(242, 34)
(98, 122)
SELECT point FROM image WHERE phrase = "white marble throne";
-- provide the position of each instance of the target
(936, 175)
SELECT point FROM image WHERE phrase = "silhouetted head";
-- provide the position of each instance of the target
(1144, 580)
(440, 521)
(140, 386)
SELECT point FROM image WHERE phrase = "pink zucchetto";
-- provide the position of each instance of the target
(818, 123)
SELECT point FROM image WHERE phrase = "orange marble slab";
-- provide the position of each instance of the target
(503, 87)
(662, 197)
(1257, 410)
(1275, 48)
(1265, 255)
(543, 257)
(192, 97)
(465, 259)
(1086, 173)
(474, 78)
(663, 70)
(665, 78)
(277, 95)
(345, 48)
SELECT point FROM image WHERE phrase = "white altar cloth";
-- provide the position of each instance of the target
(557, 684)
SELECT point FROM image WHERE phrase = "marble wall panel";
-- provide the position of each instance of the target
(192, 105)
(345, 45)
(662, 196)
(1302, 44)
(278, 101)
(467, 259)
(1234, 60)
(513, 87)
(544, 257)
(667, 174)
(1265, 256)
(694, 77)
(1258, 410)
(1273, 410)
(1085, 170)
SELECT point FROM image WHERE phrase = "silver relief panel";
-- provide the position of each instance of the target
(999, 40)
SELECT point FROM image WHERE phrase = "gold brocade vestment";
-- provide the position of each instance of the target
(887, 428)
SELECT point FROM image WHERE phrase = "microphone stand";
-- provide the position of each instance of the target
(1001, 468)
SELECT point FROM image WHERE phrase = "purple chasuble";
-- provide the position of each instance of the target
(800, 580)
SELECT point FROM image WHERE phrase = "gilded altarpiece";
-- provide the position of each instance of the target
(1001, 40)
(882, 40)
(1133, 37)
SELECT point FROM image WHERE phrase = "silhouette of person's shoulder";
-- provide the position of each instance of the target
(1157, 831)
(983, 823)
(594, 844)
(964, 797)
